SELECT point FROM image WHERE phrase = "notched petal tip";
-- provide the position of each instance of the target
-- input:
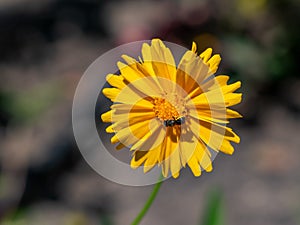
(121, 65)
(109, 129)
(156, 43)
(222, 79)
(115, 80)
(214, 61)
(206, 54)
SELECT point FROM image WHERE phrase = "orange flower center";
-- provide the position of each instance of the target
(169, 107)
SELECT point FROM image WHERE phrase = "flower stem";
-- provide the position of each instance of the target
(149, 202)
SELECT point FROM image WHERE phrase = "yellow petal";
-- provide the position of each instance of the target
(191, 71)
(162, 54)
(208, 168)
(212, 134)
(129, 96)
(134, 133)
(147, 86)
(150, 163)
(232, 87)
(172, 161)
(138, 159)
(232, 114)
(212, 99)
(111, 93)
(203, 157)
(109, 129)
(175, 175)
(226, 147)
(130, 61)
(175, 162)
(152, 158)
(188, 144)
(213, 63)
(152, 139)
(208, 115)
(217, 98)
(194, 47)
(215, 115)
(115, 81)
(218, 83)
(125, 115)
(114, 139)
(159, 60)
(206, 55)
(222, 79)
(106, 117)
(147, 59)
(200, 158)
(232, 99)
(122, 121)
(194, 166)
(129, 72)
(142, 105)
(142, 70)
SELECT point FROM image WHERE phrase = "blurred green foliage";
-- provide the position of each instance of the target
(16, 218)
(214, 210)
(26, 105)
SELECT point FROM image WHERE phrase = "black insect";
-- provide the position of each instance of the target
(171, 123)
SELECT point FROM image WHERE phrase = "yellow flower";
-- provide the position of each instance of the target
(169, 115)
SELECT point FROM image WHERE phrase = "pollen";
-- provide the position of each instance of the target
(168, 107)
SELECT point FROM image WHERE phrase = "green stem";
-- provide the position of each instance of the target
(149, 202)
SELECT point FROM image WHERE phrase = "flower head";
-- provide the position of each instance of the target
(169, 115)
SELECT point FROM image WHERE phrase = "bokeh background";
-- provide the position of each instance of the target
(45, 47)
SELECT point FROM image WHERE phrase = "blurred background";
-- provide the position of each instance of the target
(45, 47)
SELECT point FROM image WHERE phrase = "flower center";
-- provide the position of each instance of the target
(169, 107)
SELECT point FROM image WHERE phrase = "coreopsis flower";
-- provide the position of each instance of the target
(169, 115)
